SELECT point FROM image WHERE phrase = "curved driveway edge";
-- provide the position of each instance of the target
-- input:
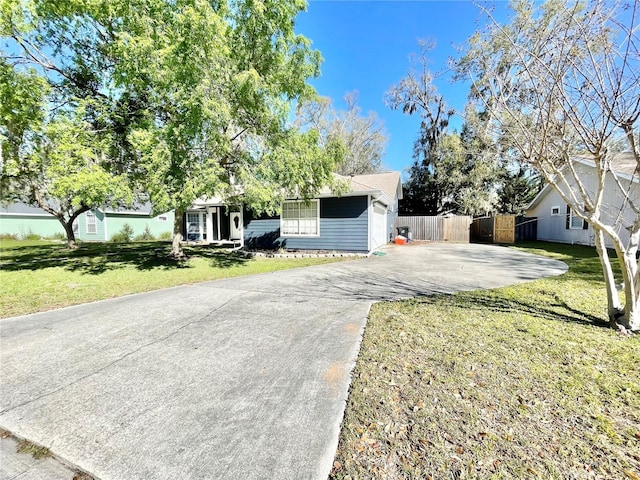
(238, 378)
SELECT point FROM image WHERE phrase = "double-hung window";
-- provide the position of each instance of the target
(300, 218)
(91, 223)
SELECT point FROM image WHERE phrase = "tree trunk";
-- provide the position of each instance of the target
(176, 246)
(71, 236)
(614, 307)
(632, 282)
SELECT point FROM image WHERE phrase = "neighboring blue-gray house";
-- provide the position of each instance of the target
(22, 220)
(359, 220)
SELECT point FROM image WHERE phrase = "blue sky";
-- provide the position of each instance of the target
(366, 47)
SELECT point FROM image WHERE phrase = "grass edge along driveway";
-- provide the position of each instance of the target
(37, 276)
(518, 382)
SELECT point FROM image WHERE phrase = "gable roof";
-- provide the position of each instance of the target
(624, 164)
(385, 185)
(388, 182)
(20, 208)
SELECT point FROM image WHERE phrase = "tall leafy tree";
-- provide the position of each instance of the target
(560, 80)
(363, 137)
(58, 164)
(447, 175)
(188, 99)
(518, 187)
(417, 94)
(499, 179)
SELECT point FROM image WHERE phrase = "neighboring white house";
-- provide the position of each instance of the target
(556, 221)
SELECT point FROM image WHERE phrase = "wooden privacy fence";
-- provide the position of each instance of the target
(436, 229)
(503, 229)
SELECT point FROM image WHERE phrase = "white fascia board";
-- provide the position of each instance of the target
(626, 176)
(376, 195)
(586, 163)
(8, 214)
(115, 212)
(539, 196)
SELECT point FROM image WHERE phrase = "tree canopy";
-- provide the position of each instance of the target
(181, 99)
(363, 137)
(449, 173)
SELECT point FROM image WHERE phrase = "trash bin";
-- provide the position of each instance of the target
(404, 231)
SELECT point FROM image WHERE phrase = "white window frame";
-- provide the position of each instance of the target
(162, 218)
(202, 226)
(290, 226)
(555, 211)
(92, 223)
(573, 217)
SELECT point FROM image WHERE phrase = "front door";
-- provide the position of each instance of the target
(235, 227)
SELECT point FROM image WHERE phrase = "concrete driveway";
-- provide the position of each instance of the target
(241, 378)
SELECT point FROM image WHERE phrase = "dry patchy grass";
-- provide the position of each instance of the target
(518, 382)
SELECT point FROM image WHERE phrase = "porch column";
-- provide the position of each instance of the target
(210, 224)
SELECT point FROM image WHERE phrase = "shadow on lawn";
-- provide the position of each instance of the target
(559, 311)
(97, 258)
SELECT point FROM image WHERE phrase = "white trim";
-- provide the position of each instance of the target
(557, 214)
(369, 220)
(571, 217)
(378, 195)
(384, 217)
(88, 215)
(301, 235)
(114, 212)
(202, 219)
(543, 192)
(104, 223)
(617, 173)
(218, 215)
(210, 223)
(27, 214)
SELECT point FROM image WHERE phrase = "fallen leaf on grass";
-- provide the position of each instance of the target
(631, 475)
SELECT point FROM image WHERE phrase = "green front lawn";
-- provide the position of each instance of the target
(40, 275)
(514, 383)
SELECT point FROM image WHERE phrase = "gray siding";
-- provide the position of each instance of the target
(343, 226)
